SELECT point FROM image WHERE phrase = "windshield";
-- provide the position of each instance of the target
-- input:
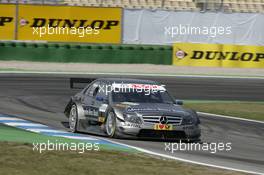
(142, 97)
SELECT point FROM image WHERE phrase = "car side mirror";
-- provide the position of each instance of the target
(178, 102)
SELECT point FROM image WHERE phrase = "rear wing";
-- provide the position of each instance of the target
(76, 83)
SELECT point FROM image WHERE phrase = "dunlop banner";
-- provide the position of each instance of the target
(7, 22)
(69, 24)
(218, 55)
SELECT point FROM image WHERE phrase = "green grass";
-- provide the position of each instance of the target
(20, 159)
(248, 110)
(12, 134)
(17, 157)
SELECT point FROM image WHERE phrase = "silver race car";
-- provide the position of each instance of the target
(130, 108)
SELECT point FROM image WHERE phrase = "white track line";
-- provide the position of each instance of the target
(76, 137)
(182, 159)
(230, 117)
(24, 124)
(56, 133)
(10, 119)
(45, 130)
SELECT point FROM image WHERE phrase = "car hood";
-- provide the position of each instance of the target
(150, 109)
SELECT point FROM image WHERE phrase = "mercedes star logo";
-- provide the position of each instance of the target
(163, 120)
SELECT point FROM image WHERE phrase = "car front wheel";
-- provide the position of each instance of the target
(73, 117)
(110, 125)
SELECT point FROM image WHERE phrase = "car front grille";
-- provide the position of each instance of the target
(175, 120)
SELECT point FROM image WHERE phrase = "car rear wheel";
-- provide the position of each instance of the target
(73, 117)
(110, 125)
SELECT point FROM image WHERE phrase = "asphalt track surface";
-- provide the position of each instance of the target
(42, 98)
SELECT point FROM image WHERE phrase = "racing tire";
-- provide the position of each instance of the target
(73, 118)
(110, 125)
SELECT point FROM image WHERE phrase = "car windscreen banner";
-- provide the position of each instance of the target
(218, 55)
(69, 24)
(7, 21)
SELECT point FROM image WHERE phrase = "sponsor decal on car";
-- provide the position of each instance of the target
(101, 119)
(131, 109)
(131, 125)
(91, 111)
(137, 109)
(166, 127)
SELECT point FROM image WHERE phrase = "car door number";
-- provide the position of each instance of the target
(91, 111)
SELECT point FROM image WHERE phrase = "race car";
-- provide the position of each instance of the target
(130, 108)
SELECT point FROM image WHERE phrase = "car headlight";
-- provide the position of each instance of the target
(132, 118)
(190, 119)
(187, 120)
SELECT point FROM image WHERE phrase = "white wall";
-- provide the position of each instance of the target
(148, 27)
